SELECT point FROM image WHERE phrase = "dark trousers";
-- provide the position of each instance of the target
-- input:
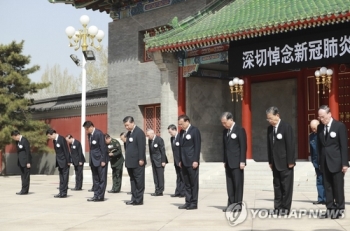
(158, 178)
(64, 176)
(191, 177)
(78, 176)
(319, 185)
(94, 186)
(99, 176)
(283, 188)
(180, 184)
(137, 182)
(117, 175)
(334, 187)
(25, 178)
(234, 184)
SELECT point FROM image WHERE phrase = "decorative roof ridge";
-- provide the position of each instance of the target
(190, 21)
(243, 28)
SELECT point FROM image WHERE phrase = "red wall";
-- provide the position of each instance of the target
(72, 125)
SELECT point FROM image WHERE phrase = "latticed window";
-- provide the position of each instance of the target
(152, 118)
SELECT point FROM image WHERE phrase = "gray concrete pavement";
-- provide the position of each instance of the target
(39, 210)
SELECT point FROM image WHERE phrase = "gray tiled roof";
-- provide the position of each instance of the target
(94, 98)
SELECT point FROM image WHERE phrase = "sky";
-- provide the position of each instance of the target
(42, 25)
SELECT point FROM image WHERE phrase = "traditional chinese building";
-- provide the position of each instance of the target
(193, 48)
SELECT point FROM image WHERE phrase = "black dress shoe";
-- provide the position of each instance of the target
(57, 196)
(129, 193)
(99, 199)
(91, 199)
(191, 207)
(140, 203)
(185, 206)
(175, 195)
(21, 193)
(323, 216)
(91, 190)
(63, 196)
(156, 194)
(129, 202)
(112, 191)
(319, 203)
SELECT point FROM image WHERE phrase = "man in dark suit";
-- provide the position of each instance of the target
(63, 160)
(24, 160)
(135, 160)
(190, 149)
(98, 159)
(235, 149)
(158, 159)
(117, 161)
(78, 160)
(321, 198)
(332, 141)
(175, 146)
(281, 150)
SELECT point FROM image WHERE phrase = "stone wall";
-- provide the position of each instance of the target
(206, 100)
(133, 83)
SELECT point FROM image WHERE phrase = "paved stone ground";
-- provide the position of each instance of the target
(39, 210)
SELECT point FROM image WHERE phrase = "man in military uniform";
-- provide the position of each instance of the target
(117, 161)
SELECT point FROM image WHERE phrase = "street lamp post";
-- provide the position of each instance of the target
(84, 38)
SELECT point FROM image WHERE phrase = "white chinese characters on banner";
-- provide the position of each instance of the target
(300, 52)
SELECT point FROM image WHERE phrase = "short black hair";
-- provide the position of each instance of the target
(172, 127)
(122, 134)
(69, 136)
(15, 133)
(107, 136)
(50, 131)
(325, 107)
(128, 119)
(184, 117)
(88, 124)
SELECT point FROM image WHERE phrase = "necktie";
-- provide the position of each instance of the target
(326, 135)
(274, 134)
(228, 132)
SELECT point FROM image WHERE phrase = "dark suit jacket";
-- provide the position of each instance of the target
(157, 151)
(235, 146)
(98, 148)
(62, 153)
(176, 148)
(23, 151)
(334, 151)
(190, 146)
(281, 153)
(135, 148)
(76, 152)
(313, 149)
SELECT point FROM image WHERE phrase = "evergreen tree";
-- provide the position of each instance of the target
(15, 90)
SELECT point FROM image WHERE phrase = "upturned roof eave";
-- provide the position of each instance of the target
(255, 32)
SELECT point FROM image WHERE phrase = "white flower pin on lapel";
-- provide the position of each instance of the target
(155, 145)
(177, 143)
(131, 139)
(188, 136)
(93, 142)
(58, 145)
(333, 134)
(279, 136)
(233, 136)
(73, 147)
(110, 146)
(20, 146)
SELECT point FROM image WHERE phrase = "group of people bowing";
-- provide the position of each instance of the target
(328, 144)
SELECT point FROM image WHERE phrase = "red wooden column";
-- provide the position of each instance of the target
(181, 95)
(334, 94)
(247, 114)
